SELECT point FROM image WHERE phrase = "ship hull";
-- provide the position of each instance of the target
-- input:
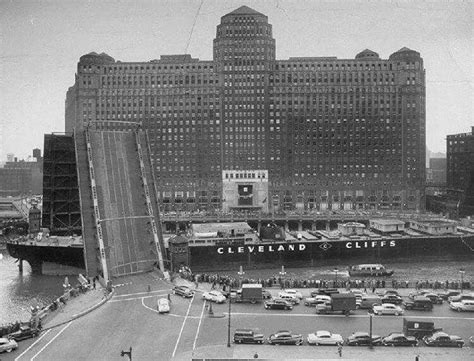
(322, 252)
(37, 255)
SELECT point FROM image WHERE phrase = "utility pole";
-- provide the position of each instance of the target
(228, 325)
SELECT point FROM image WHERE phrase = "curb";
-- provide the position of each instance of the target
(83, 313)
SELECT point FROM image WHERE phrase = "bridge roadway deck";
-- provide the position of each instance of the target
(130, 319)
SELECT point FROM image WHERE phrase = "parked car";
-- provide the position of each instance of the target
(462, 296)
(463, 305)
(324, 338)
(183, 291)
(24, 333)
(163, 305)
(285, 338)
(266, 294)
(446, 294)
(368, 301)
(214, 296)
(289, 297)
(294, 292)
(419, 303)
(399, 339)
(388, 309)
(363, 339)
(324, 291)
(442, 339)
(248, 336)
(7, 345)
(278, 304)
(435, 299)
(391, 298)
(318, 299)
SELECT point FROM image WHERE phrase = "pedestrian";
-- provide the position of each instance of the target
(417, 358)
(339, 349)
(93, 282)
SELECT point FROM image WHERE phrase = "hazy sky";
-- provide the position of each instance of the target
(41, 42)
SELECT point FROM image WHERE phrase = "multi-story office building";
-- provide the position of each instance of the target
(246, 130)
(460, 160)
(20, 177)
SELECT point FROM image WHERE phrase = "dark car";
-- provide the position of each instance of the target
(324, 291)
(278, 304)
(247, 336)
(24, 333)
(393, 299)
(363, 339)
(399, 339)
(183, 291)
(285, 338)
(441, 339)
(421, 303)
(435, 299)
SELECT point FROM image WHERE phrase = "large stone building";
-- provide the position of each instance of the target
(460, 171)
(20, 177)
(326, 133)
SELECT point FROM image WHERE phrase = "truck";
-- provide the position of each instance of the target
(340, 302)
(250, 292)
(419, 329)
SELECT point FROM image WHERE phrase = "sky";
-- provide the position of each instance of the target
(42, 41)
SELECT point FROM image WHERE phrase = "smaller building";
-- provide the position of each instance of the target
(387, 225)
(351, 228)
(433, 227)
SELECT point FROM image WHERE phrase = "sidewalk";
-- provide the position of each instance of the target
(76, 307)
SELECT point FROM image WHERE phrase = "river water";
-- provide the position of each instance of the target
(20, 291)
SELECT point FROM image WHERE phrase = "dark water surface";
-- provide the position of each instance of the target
(20, 291)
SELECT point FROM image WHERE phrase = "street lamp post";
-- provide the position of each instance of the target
(282, 275)
(228, 325)
(462, 271)
(370, 329)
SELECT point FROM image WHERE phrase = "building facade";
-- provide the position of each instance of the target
(20, 177)
(328, 133)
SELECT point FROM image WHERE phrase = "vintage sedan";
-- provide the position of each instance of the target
(318, 299)
(363, 339)
(183, 291)
(399, 339)
(214, 296)
(294, 292)
(24, 333)
(278, 304)
(285, 338)
(387, 309)
(324, 291)
(324, 338)
(391, 298)
(163, 305)
(449, 293)
(7, 345)
(463, 305)
(266, 294)
(441, 339)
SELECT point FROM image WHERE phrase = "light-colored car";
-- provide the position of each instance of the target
(463, 305)
(312, 301)
(441, 339)
(289, 297)
(388, 309)
(163, 305)
(214, 296)
(294, 292)
(324, 338)
(7, 345)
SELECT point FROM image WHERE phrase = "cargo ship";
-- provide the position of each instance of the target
(228, 245)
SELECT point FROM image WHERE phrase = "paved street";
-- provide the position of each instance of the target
(130, 318)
